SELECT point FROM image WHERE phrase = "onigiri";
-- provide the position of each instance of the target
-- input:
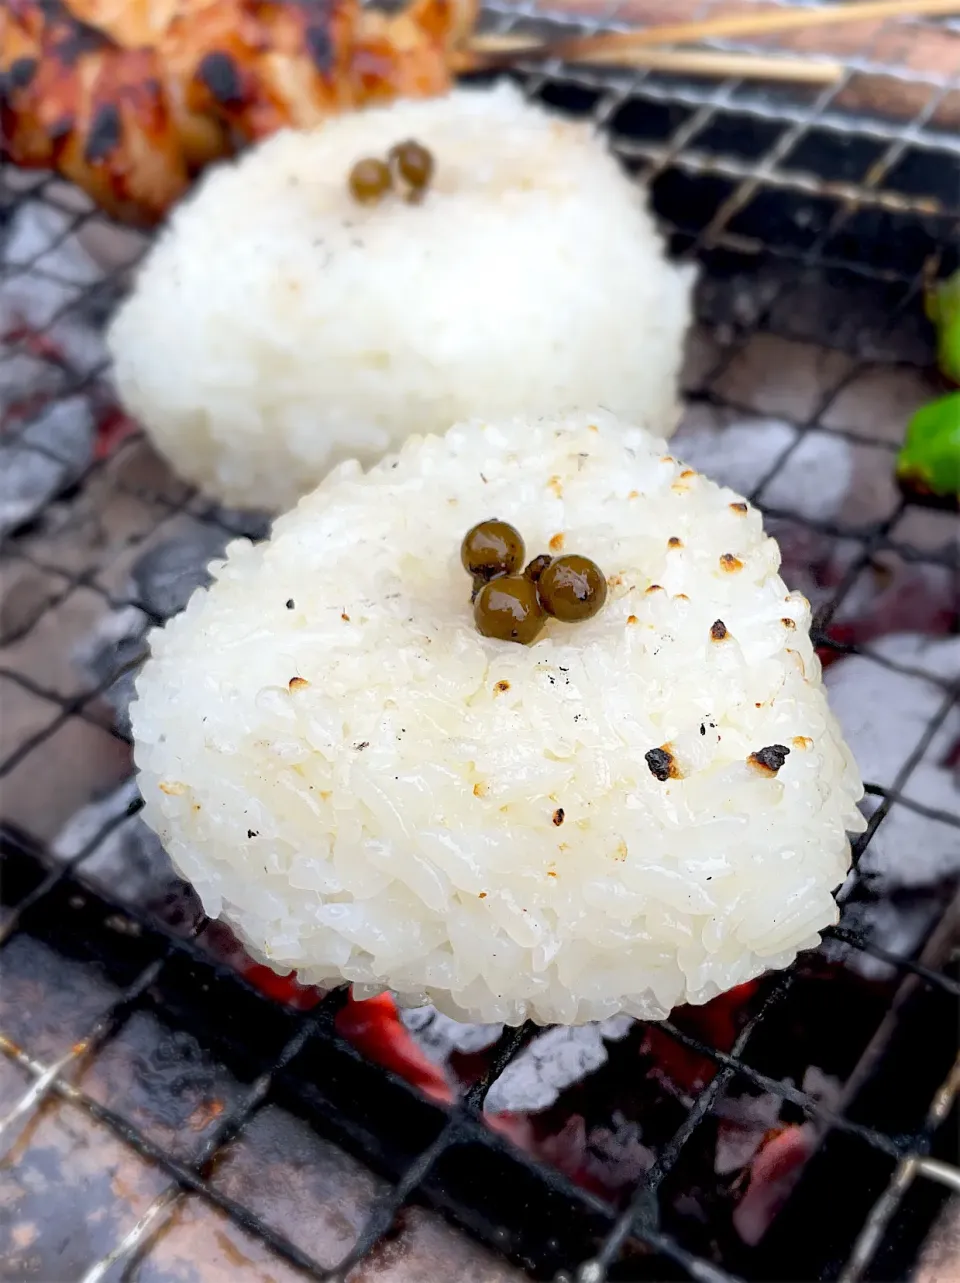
(642, 809)
(278, 327)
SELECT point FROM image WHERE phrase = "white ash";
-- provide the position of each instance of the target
(816, 481)
(746, 1119)
(929, 530)
(55, 297)
(26, 379)
(616, 1156)
(890, 592)
(938, 656)
(64, 432)
(44, 459)
(161, 582)
(167, 575)
(735, 454)
(825, 1089)
(555, 1060)
(109, 246)
(895, 922)
(128, 861)
(27, 481)
(440, 1036)
(40, 236)
(911, 860)
(742, 453)
(26, 596)
(50, 340)
(910, 849)
(887, 595)
(112, 653)
(884, 713)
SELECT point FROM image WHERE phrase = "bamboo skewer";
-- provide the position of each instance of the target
(587, 48)
(693, 62)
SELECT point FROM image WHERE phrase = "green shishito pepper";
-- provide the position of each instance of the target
(942, 301)
(929, 460)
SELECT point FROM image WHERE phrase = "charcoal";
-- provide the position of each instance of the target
(554, 1060)
(25, 593)
(113, 653)
(884, 711)
(128, 861)
(812, 480)
(48, 456)
(249, 524)
(440, 1037)
(897, 923)
(163, 580)
(166, 577)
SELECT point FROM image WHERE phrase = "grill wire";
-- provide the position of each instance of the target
(796, 193)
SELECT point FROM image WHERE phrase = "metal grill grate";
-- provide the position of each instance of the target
(814, 224)
(794, 172)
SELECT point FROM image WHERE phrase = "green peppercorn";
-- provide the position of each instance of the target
(414, 164)
(508, 608)
(369, 181)
(492, 548)
(572, 588)
(534, 569)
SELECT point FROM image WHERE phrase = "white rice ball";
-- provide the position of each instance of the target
(369, 790)
(278, 328)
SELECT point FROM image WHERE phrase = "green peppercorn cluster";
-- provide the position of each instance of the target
(408, 165)
(513, 604)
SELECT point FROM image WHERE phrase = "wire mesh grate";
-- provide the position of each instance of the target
(815, 218)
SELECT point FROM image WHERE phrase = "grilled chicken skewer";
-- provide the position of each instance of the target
(131, 98)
